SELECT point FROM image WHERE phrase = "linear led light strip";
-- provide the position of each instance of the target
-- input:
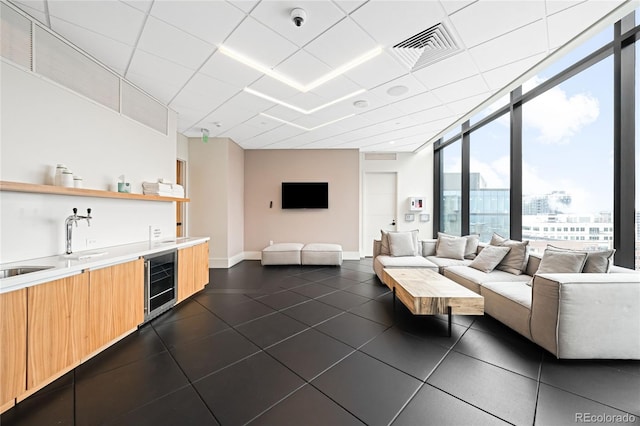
(301, 110)
(291, 82)
(308, 129)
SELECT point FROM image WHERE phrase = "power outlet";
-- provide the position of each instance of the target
(91, 242)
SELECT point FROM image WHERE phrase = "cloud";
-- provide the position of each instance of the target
(556, 116)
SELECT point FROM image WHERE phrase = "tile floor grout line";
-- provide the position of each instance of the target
(535, 410)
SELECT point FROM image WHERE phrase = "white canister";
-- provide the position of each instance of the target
(77, 181)
(67, 178)
(57, 179)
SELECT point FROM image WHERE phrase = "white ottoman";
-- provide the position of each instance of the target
(282, 254)
(321, 254)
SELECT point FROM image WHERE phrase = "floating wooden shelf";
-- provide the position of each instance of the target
(81, 192)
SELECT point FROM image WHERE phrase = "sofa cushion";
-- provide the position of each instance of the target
(386, 248)
(554, 261)
(450, 247)
(404, 262)
(472, 278)
(489, 258)
(444, 262)
(401, 244)
(471, 243)
(509, 303)
(515, 261)
(597, 261)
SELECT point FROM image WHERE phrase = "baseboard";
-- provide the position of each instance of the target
(350, 255)
(225, 263)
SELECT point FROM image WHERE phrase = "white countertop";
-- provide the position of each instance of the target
(62, 266)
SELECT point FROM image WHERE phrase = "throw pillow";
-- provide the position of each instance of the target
(471, 247)
(598, 262)
(451, 247)
(515, 262)
(497, 239)
(385, 249)
(401, 244)
(554, 261)
(489, 258)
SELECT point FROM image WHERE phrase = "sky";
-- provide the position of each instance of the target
(567, 136)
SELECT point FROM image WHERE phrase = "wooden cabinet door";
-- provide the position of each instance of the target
(193, 270)
(13, 345)
(201, 265)
(116, 301)
(56, 326)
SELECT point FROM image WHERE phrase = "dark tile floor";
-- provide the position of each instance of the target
(322, 346)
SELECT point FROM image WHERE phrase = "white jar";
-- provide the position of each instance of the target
(67, 178)
(57, 179)
(77, 181)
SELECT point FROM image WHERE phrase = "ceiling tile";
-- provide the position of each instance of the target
(110, 52)
(241, 133)
(452, 6)
(413, 86)
(324, 47)
(485, 20)
(272, 136)
(349, 5)
(382, 114)
(211, 21)
(283, 113)
(33, 8)
(379, 70)
(464, 106)
(166, 41)
(224, 119)
(336, 88)
(230, 71)
(274, 88)
(303, 68)
(417, 103)
(555, 6)
(112, 19)
(390, 22)
(142, 5)
(256, 41)
(244, 5)
(447, 70)
(204, 92)
(247, 102)
(461, 90)
(277, 15)
(157, 76)
(498, 78)
(565, 25)
(522, 43)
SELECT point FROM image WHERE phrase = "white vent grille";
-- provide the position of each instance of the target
(379, 156)
(16, 36)
(144, 109)
(65, 65)
(426, 47)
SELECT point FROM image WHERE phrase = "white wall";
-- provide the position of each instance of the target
(216, 210)
(44, 124)
(415, 179)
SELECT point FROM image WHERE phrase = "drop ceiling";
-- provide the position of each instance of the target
(178, 52)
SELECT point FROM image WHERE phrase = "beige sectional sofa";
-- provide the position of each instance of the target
(572, 315)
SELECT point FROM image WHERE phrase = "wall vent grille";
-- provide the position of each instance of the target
(426, 47)
(16, 36)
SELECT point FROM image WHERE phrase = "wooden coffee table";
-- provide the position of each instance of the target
(426, 292)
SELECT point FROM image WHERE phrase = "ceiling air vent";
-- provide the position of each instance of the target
(426, 47)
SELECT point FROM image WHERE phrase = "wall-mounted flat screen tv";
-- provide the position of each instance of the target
(305, 195)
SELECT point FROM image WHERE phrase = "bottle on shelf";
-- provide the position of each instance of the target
(57, 179)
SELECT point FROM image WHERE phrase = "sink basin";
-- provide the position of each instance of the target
(20, 270)
(85, 255)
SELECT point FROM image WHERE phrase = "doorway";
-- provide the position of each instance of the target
(181, 178)
(379, 207)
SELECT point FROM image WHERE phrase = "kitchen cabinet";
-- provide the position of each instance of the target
(57, 318)
(13, 345)
(116, 302)
(193, 270)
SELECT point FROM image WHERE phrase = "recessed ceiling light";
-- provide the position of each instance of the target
(397, 90)
(296, 108)
(308, 129)
(291, 82)
(361, 104)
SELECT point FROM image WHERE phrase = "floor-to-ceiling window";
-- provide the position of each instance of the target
(451, 189)
(567, 166)
(569, 125)
(489, 179)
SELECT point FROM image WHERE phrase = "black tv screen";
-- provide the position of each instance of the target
(305, 195)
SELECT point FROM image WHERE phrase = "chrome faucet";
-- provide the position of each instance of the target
(69, 221)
